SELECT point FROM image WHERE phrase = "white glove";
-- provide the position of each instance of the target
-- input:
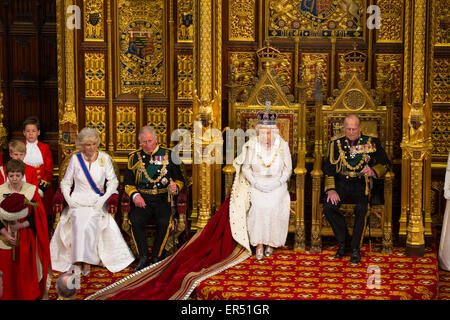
(100, 202)
(269, 187)
(72, 203)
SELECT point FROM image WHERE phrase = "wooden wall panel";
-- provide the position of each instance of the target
(28, 66)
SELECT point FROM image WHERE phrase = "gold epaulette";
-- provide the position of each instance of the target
(131, 164)
(373, 135)
(165, 148)
(337, 137)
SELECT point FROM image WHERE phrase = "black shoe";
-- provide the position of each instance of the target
(155, 260)
(356, 256)
(342, 251)
(143, 263)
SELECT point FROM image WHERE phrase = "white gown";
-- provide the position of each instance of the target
(268, 216)
(444, 244)
(84, 233)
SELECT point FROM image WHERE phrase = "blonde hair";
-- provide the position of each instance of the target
(17, 146)
(85, 135)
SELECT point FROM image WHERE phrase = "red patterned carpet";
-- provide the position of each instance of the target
(291, 275)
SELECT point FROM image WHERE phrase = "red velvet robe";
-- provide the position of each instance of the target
(20, 277)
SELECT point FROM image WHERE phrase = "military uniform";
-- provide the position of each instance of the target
(149, 175)
(342, 170)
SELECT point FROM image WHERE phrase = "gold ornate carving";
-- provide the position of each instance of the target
(440, 79)
(284, 70)
(141, 46)
(125, 128)
(94, 20)
(391, 25)
(241, 19)
(418, 119)
(440, 136)
(344, 68)
(443, 25)
(389, 69)
(244, 69)
(157, 117)
(185, 118)
(94, 75)
(312, 19)
(314, 64)
(185, 76)
(96, 118)
(205, 62)
(419, 41)
(185, 23)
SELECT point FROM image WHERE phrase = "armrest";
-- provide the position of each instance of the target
(182, 201)
(112, 203)
(126, 208)
(58, 202)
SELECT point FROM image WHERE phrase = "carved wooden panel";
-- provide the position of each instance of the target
(28, 66)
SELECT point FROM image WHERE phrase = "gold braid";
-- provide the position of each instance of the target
(143, 170)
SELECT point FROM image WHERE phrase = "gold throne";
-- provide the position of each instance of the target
(354, 96)
(245, 103)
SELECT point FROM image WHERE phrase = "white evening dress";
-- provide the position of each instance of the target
(268, 216)
(444, 244)
(84, 233)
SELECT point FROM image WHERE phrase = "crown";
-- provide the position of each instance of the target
(267, 117)
(355, 59)
(268, 54)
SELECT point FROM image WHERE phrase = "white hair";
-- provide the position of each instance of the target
(149, 129)
(85, 135)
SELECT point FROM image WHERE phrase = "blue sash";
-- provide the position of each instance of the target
(88, 175)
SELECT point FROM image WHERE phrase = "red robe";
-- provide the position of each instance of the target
(2, 175)
(45, 175)
(31, 176)
(20, 277)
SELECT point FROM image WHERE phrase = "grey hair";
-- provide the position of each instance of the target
(265, 126)
(62, 285)
(85, 135)
(149, 129)
(352, 116)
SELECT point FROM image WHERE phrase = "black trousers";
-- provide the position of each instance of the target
(354, 189)
(157, 208)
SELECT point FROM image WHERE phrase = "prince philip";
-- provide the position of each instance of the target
(353, 160)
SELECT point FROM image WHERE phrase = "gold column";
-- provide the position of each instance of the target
(300, 170)
(317, 173)
(217, 74)
(207, 74)
(172, 39)
(416, 144)
(110, 77)
(67, 71)
(407, 58)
